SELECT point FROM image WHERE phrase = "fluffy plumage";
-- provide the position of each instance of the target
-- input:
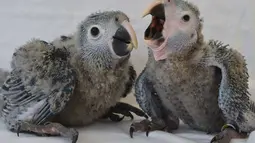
(205, 84)
(71, 81)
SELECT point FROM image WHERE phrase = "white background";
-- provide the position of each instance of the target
(230, 21)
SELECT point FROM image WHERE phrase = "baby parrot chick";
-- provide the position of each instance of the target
(204, 84)
(73, 80)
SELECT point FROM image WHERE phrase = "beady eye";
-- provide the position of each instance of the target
(186, 18)
(94, 31)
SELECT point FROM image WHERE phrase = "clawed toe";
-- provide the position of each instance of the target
(75, 135)
(148, 130)
(143, 126)
(216, 138)
(49, 129)
(131, 131)
(18, 128)
(227, 135)
(116, 118)
(124, 109)
(128, 114)
(153, 125)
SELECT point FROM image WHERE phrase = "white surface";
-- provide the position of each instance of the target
(226, 20)
(109, 132)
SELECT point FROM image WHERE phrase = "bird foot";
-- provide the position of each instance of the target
(48, 129)
(227, 135)
(124, 109)
(146, 126)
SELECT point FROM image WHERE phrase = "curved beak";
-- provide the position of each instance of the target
(131, 31)
(153, 8)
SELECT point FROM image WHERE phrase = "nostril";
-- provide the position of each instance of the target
(169, 0)
(192, 35)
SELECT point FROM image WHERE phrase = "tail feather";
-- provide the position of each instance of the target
(3, 76)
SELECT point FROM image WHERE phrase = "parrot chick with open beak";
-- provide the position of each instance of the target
(204, 84)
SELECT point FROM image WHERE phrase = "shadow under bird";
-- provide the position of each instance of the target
(204, 84)
(73, 80)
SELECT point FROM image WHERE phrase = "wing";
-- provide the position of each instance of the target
(234, 98)
(40, 83)
(132, 76)
(148, 99)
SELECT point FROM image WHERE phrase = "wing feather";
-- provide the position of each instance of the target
(234, 98)
(40, 83)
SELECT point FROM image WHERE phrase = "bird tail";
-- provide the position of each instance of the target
(3, 76)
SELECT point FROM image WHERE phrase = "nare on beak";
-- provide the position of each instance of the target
(124, 40)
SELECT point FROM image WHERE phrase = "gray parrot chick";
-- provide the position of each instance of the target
(73, 80)
(204, 84)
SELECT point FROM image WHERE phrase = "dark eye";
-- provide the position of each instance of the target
(94, 31)
(186, 18)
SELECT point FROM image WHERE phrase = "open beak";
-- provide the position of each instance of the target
(157, 10)
(131, 31)
(155, 7)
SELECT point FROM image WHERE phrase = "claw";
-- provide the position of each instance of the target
(227, 135)
(147, 133)
(216, 138)
(131, 131)
(126, 110)
(131, 116)
(18, 130)
(51, 129)
(116, 118)
(213, 139)
(75, 137)
(121, 118)
(148, 130)
(143, 126)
